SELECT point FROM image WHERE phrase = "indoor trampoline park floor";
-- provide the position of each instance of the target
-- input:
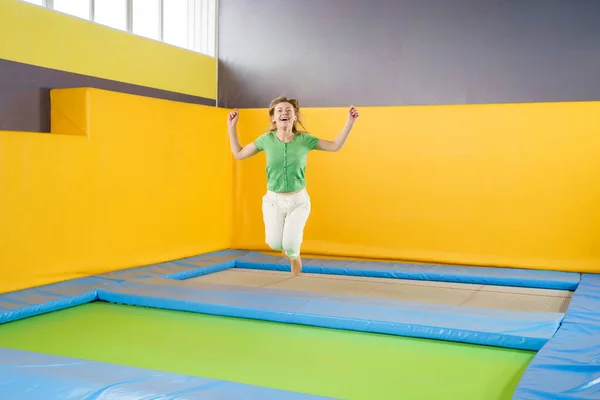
(234, 324)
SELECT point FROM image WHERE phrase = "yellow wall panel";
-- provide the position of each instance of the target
(511, 185)
(38, 36)
(126, 180)
(149, 182)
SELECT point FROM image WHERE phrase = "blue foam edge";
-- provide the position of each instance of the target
(509, 329)
(428, 272)
(31, 376)
(58, 296)
(178, 270)
(195, 272)
(568, 366)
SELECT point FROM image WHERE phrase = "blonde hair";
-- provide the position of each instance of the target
(295, 104)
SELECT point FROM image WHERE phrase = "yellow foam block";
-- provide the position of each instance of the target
(122, 181)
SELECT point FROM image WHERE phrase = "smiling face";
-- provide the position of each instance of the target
(284, 115)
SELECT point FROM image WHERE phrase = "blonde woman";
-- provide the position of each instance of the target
(286, 205)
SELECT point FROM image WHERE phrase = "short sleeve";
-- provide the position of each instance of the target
(260, 142)
(310, 140)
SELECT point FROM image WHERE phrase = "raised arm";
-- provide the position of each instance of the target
(238, 151)
(339, 141)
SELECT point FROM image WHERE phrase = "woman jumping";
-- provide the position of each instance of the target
(286, 205)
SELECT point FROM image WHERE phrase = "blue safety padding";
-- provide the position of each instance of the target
(217, 256)
(568, 366)
(33, 376)
(29, 302)
(198, 270)
(184, 268)
(145, 272)
(426, 272)
(57, 296)
(206, 264)
(584, 307)
(511, 329)
(173, 270)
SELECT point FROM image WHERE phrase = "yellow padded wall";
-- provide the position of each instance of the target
(122, 181)
(504, 185)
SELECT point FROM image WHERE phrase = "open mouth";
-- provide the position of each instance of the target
(284, 119)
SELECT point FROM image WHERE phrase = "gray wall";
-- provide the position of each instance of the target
(403, 52)
(25, 94)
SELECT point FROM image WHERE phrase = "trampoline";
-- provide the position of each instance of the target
(234, 324)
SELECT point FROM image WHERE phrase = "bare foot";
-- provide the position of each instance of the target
(296, 266)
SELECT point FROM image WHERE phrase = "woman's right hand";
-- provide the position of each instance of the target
(233, 118)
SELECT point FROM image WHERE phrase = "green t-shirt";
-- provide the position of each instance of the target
(286, 162)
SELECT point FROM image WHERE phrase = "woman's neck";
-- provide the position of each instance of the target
(285, 135)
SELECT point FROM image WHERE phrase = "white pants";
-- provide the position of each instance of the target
(285, 217)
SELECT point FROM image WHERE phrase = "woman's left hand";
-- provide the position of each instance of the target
(352, 114)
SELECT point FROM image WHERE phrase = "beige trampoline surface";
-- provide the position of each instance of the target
(453, 294)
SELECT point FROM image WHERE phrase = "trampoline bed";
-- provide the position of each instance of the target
(235, 324)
